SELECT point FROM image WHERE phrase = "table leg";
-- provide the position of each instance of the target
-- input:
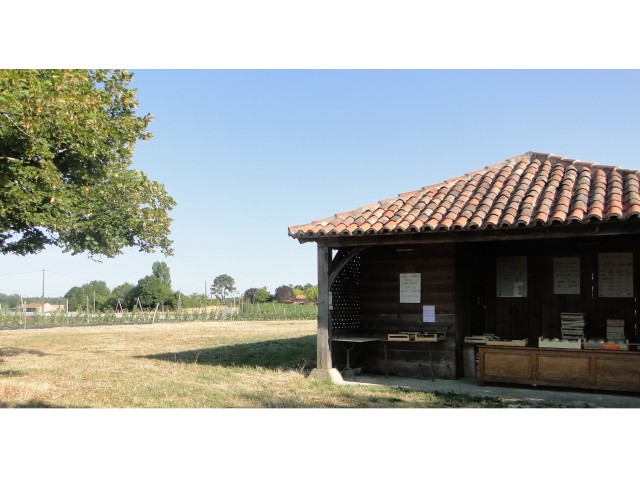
(386, 360)
(348, 367)
(431, 361)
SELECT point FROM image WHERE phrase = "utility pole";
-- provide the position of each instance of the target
(42, 291)
(205, 296)
(24, 312)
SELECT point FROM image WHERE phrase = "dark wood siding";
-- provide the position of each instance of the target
(538, 314)
(381, 311)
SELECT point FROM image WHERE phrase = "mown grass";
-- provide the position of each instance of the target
(238, 364)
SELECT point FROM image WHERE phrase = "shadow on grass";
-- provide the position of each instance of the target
(28, 404)
(11, 373)
(14, 352)
(291, 353)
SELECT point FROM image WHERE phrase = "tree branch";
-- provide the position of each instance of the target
(15, 124)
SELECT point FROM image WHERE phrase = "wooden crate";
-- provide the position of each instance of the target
(429, 337)
(593, 345)
(615, 345)
(398, 337)
(556, 343)
(412, 335)
(476, 340)
(508, 343)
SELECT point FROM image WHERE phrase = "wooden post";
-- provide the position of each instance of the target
(324, 369)
(324, 320)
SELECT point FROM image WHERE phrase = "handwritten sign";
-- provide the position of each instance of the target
(429, 314)
(511, 276)
(410, 288)
(566, 275)
(615, 274)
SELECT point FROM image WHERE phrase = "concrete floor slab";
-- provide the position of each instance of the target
(562, 397)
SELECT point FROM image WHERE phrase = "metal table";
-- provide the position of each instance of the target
(349, 343)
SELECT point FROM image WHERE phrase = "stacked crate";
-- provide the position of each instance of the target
(615, 330)
(572, 326)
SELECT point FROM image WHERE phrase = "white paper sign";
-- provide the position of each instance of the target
(410, 288)
(566, 275)
(615, 275)
(429, 313)
(511, 277)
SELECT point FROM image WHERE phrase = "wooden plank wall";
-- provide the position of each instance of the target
(481, 311)
(381, 311)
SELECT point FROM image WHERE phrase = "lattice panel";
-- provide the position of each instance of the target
(345, 316)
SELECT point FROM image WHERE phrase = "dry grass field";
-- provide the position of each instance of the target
(252, 364)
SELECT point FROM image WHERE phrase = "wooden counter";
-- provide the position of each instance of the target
(593, 369)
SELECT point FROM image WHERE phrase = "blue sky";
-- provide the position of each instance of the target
(248, 153)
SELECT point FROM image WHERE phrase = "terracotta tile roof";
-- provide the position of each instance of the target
(524, 191)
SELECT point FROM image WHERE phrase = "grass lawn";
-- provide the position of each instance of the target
(238, 364)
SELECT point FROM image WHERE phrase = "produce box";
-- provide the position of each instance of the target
(557, 343)
(615, 345)
(508, 343)
(593, 344)
(430, 337)
(398, 337)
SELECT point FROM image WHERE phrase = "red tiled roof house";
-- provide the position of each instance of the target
(507, 250)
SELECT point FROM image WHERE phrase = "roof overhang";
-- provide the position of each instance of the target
(593, 229)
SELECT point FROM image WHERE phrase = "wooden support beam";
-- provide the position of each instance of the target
(324, 315)
(341, 262)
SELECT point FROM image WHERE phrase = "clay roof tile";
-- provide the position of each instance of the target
(527, 190)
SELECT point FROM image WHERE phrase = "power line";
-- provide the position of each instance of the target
(70, 276)
(22, 273)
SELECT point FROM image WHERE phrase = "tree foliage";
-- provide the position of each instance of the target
(66, 142)
(257, 295)
(161, 270)
(9, 301)
(284, 294)
(151, 292)
(82, 297)
(311, 292)
(121, 296)
(222, 286)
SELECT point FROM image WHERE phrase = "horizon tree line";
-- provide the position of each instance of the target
(155, 290)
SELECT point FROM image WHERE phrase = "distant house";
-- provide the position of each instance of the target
(40, 308)
(302, 300)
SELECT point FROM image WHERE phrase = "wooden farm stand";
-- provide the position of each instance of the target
(505, 252)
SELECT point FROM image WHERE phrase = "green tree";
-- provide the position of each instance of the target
(222, 286)
(311, 292)
(82, 297)
(257, 295)
(9, 302)
(122, 294)
(66, 142)
(151, 292)
(284, 294)
(262, 295)
(161, 270)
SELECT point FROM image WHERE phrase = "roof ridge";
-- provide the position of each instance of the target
(581, 163)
